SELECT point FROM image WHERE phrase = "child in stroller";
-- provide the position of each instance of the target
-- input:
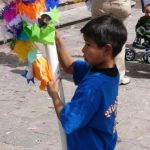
(142, 32)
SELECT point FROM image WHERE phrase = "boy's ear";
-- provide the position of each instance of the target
(108, 50)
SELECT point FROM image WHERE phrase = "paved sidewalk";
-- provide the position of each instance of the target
(27, 117)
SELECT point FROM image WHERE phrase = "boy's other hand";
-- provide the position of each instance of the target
(53, 88)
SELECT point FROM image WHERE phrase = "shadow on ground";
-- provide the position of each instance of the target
(17, 71)
(138, 68)
(10, 60)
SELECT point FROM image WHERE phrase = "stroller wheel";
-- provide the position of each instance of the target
(146, 57)
(147, 49)
(129, 54)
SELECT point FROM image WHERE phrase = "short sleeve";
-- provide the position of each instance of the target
(80, 68)
(77, 114)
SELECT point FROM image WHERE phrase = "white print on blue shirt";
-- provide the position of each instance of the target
(112, 109)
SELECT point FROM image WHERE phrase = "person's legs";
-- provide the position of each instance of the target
(97, 8)
(120, 9)
(125, 11)
(120, 61)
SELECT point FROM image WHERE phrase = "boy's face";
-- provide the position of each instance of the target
(147, 11)
(93, 54)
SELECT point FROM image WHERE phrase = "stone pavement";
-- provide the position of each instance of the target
(27, 116)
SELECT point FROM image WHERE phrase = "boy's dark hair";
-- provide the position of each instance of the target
(104, 30)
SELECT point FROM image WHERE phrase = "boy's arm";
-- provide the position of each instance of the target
(65, 59)
(58, 104)
(52, 89)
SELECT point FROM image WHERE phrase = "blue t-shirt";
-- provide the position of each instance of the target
(89, 119)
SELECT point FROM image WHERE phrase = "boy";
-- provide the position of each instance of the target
(89, 119)
(122, 10)
(143, 29)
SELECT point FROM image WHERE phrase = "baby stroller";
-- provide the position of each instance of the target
(130, 52)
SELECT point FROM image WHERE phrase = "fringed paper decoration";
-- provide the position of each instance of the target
(22, 48)
(31, 10)
(78, 1)
(50, 4)
(9, 12)
(22, 21)
(28, 74)
(15, 21)
(41, 71)
(28, 1)
(45, 35)
(41, 68)
(54, 15)
(45, 32)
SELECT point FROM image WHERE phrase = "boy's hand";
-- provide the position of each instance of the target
(53, 88)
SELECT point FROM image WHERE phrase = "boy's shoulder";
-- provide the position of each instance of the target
(96, 78)
(109, 72)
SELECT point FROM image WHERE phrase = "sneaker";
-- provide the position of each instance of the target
(124, 81)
